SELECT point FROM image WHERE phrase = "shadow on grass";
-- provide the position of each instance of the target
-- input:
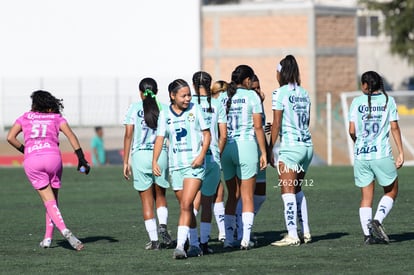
(65, 244)
(398, 238)
(266, 238)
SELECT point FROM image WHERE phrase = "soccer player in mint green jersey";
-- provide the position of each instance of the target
(291, 115)
(189, 137)
(260, 189)
(215, 113)
(219, 89)
(140, 132)
(371, 118)
(241, 158)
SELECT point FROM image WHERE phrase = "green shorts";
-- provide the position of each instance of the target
(383, 170)
(296, 158)
(142, 170)
(240, 158)
(178, 176)
(211, 179)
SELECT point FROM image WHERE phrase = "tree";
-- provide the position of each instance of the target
(399, 25)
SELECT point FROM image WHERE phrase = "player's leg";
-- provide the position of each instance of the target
(386, 175)
(302, 210)
(187, 219)
(247, 187)
(162, 214)
(287, 182)
(49, 200)
(233, 194)
(147, 203)
(205, 223)
(47, 239)
(219, 211)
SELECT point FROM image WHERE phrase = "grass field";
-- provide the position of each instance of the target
(104, 211)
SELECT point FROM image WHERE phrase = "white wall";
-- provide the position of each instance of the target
(72, 39)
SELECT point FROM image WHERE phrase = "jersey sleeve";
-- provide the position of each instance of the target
(129, 118)
(256, 103)
(221, 113)
(204, 124)
(352, 116)
(162, 123)
(393, 109)
(277, 103)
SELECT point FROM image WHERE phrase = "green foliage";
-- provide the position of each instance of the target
(104, 211)
(399, 25)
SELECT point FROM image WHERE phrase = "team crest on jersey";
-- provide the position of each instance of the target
(191, 117)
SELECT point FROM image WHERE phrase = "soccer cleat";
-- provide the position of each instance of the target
(179, 254)
(221, 237)
(73, 241)
(46, 243)
(166, 239)
(377, 231)
(152, 245)
(206, 249)
(194, 251)
(246, 246)
(228, 244)
(305, 238)
(287, 241)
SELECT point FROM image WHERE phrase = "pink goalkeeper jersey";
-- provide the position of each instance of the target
(41, 132)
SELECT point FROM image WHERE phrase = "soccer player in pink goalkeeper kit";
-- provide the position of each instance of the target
(42, 157)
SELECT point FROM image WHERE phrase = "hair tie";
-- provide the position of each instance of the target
(279, 68)
(148, 92)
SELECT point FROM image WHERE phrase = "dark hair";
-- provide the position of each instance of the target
(237, 76)
(290, 71)
(98, 128)
(174, 86)
(149, 88)
(375, 83)
(203, 80)
(45, 102)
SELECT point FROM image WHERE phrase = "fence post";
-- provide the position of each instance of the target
(329, 127)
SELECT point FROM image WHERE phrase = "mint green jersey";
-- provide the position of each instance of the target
(216, 116)
(144, 136)
(295, 103)
(184, 133)
(372, 133)
(244, 104)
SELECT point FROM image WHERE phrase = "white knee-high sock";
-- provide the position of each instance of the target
(219, 215)
(365, 215)
(162, 214)
(182, 232)
(384, 207)
(289, 201)
(248, 218)
(151, 227)
(302, 211)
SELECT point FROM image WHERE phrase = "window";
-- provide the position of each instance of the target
(368, 26)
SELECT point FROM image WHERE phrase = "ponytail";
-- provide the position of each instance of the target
(151, 106)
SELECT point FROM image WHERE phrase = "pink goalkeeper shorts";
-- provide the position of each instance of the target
(42, 170)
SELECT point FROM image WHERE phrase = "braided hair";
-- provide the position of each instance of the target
(45, 102)
(149, 88)
(239, 74)
(375, 83)
(174, 86)
(203, 80)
